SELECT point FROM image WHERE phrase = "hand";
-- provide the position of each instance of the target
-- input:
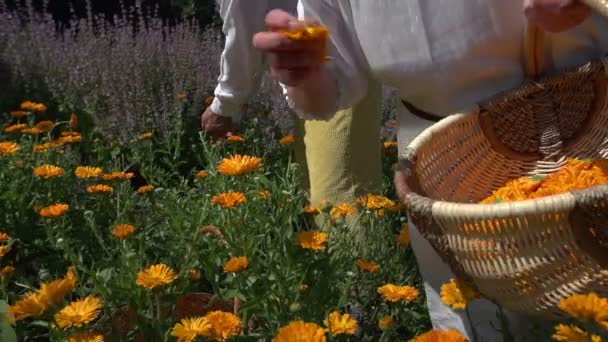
(556, 15)
(401, 182)
(291, 62)
(215, 125)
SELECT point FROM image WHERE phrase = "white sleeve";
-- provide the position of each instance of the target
(348, 65)
(241, 64)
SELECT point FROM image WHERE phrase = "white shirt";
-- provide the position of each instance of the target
(443, 56)
(241, 64)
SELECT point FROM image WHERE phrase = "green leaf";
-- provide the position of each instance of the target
(7, 333)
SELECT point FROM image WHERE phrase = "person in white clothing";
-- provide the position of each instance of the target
(443, 56)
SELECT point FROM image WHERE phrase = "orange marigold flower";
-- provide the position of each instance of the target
(99, 188)
(367, 266)
(4, 250)
(224, 325)
(8, 148)
(237, 264)
(202, 174)
(4, 237)
(343, 324)
(288, 140)
(18, 113)
(235, 139)
(314, 240)
(74, 122)
(457, 294)
(386, 322)
(87, 336)
(310, 210)
(377, 202)
(48, 171)
(123, 231)
(181, 96)
(571, 333)
(118, 176)
(47, 146)
(79, 313)
(264, 194)
(7, 272)
(195, 275)
(209, 100)
(404, 236)
(587, 307)
(395, 293)
(155, 276)
(390, 145)
(55, 210)
(146, 136)
(343, 210)
(33, 106)
(32, 305)
(88, 172)
(145, 189)
(239, 165)
(32, 130)
(306, 332)
(441, 335)
(229, 199)
(15, 128)
(45, 125)
(189, 329)
(70, 139)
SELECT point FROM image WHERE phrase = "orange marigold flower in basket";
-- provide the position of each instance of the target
(99, 188)
(33, 106)
(235, 139)
(341, 324)
(15, 128)
(343, 210)
(587, 307)
(88, 172)
(87, 336)
(238, 165)
(457, 294)
(571, 333)
(146, 136)
(224, 325)
(118, 176)
(441, 336)
(305, 332)
(237, 264)
(395, 293)
(48, 171)
(202, 174)
(145, 189)
(367, 266)
(18, 113)
(229, 199)
(79, 313)
(314, 240)
(288, 140)
(386, 322)
(122, 231)
(155, 276)
(8, 148)
(55, 210)
(189, 329)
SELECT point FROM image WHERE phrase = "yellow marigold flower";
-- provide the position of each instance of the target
(288, 140)
(341, 324)
(202, 174)
(15, 128)
(235, 139)
(265, 194)
(8, 148)
(386, 322)
(189, 329)
(55, 210)
(30, 306)
(404, 236)
(315, 240)
(209, 100)
(239, 165)
(377, 202)
(123, 231)
(195, 275)
(45, 125)
(181, 96)
(457, 294)
(343, 210)
(99, 188)
(48, 171)
(368, 266)
(118, 176)
(223, 325)
(155, 276)
(587, 307)
(4, 250)
(74, 122)
(237, 264)
(69, 139)
(145, 189)
(88, 172)
(4, 237)
(571, 333)
(79, 313)
(441, 335)
(229, 199)
(47, 146)
(395, 293)
(18, 113)
(146, 136)
(300, 331)
(32, 130)
(310, 210)
(33, 106)
(87, 336)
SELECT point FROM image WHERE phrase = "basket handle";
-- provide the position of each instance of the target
(534, 41)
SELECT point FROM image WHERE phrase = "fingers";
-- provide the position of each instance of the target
(556, 15)
(401, 184)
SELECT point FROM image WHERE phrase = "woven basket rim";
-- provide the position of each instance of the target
(564, 200)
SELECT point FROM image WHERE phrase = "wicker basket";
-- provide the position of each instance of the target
(525, 256)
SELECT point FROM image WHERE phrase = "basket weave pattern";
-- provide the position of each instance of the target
(525, 256)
